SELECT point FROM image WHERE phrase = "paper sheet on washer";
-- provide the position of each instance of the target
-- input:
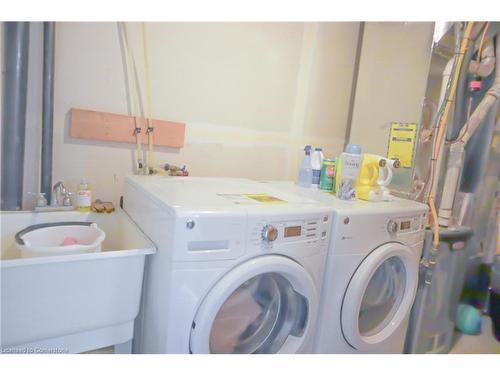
(253, 198)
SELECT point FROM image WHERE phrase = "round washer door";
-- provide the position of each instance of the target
(264, 305)
(379, 296)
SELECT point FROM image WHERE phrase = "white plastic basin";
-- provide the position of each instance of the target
(60, 238)
(71, 303)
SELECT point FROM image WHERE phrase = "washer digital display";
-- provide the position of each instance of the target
(293, 231)
(405, 225)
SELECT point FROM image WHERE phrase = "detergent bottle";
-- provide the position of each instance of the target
(349, 165)
(367, 186)
(317, 158)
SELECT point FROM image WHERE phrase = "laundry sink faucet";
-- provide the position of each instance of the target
(60, 199)
(58, 191)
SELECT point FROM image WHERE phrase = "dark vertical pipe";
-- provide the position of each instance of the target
(15, 83)
(48, 108)
(354, 84)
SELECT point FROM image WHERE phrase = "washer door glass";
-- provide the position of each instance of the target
(259, 316)
(382, 297)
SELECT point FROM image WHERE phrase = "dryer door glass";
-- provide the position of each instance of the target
(382, 297)
(259, 316)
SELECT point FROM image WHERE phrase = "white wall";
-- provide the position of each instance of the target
(252, 94)
(392, 79)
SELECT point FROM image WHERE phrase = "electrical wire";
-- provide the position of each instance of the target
(429, 180)
(430, 174)
(147, 79)
(441, 130)
(134, 94)
(439, 116)
(478, 58)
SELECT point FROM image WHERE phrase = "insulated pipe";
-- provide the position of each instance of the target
(483, 69)
(15, 83)
(47, 108)
(459, 111)
(488, 101)
(487, 64)
(457, 149)
(452, 180)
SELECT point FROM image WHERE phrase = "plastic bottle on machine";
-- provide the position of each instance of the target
(350, 161)
(316, 163)
(305, 171)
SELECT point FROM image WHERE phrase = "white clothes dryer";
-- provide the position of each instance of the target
(371, 275)
(238, 269)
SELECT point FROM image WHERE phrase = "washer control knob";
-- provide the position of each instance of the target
(392, 226)
(269, 233)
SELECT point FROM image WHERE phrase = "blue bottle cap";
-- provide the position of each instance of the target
(307, 149)
(353, 148)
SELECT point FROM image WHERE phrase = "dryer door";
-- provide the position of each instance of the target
(264, 305)
(379, 296)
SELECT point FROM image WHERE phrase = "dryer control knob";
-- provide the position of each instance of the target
(392, 226)
(269, 233)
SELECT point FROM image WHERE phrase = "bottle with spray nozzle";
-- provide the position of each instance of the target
(305, 171)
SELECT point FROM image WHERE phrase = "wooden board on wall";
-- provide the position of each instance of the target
(103, 126)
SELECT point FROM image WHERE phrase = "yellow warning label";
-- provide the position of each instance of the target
(265, 198)
(402, 143)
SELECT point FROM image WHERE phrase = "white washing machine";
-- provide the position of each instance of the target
(238, 269)
(371, 275)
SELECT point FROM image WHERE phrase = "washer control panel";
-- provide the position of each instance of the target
(392, 226)
(269, 233)
(276, 232)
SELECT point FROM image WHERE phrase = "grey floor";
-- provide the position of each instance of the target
(484, 343)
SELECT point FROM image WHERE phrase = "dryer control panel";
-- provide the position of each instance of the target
(407, 228)
(404, 225)
(356, 231)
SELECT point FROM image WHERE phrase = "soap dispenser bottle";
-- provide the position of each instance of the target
(84, 196)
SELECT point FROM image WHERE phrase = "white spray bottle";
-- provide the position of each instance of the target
(305, 171)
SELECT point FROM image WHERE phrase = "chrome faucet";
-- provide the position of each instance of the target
(59, 194)
(57, 191)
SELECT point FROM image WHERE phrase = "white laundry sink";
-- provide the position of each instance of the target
(71, 303)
